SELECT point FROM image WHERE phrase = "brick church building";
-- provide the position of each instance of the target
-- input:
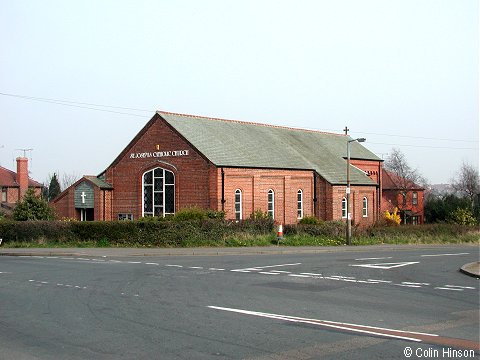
(178, 161)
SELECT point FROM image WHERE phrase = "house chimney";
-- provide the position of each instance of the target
(22, 176)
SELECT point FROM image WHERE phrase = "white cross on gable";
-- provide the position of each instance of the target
(83, 196)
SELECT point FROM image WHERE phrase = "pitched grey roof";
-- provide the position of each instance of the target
(99, 182)
(242, 144)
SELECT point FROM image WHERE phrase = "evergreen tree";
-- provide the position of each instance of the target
(54, 188)
(33, 207)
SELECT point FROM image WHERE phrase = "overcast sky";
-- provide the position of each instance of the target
(402, 73)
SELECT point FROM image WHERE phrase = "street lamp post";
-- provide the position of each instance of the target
(349, 217)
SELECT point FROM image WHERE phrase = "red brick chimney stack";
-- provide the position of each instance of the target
(22, 176)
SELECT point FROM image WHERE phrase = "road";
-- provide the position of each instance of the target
(343, 304)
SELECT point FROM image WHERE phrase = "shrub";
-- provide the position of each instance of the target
(191, 213)
(392, 218)
(462, 217)
(327, 229)
(310, 220)
(32, 207)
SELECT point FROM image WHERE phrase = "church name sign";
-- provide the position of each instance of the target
(158, 154)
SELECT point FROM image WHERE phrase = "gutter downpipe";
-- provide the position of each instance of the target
(223, 189)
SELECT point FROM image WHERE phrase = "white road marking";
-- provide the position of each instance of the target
(414, 283)
(447, 288)
(318, 276)
(407, 285)
(312, 274)
(260, 268)
(272, 266)
(386, 266)
(432, 255)
(363, 329)
(460, 287)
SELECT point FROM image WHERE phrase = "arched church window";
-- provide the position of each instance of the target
(158, 192)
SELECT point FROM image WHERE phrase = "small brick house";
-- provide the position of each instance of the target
(178, 161)
(14, 185)
(404, 195)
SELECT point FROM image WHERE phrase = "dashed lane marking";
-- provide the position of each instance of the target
(460, 287)
(433, 255)
(448, 288)
(270, 270)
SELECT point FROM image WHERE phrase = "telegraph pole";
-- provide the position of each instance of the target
(349, 216)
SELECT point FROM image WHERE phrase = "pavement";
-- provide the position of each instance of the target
(471, 269)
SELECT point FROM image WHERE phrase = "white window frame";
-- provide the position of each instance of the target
(271, 203)
(152, 213)
(125, 216)
(239, 211)
(415, 198)
(300, 204)
(365, 207)
(344, 208)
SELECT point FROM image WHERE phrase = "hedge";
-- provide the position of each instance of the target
(218, 232)
(166, 233)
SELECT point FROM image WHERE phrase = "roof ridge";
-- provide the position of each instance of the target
(250, 123)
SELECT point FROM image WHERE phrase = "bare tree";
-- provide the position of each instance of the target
(467, 182)
(398, 165)
(68, 180)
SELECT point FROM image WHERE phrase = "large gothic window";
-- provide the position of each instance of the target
(158, 192)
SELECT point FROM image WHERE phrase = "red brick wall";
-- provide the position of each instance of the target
(64, 206)
(394, 199)
(12, 195)
(255, 184)
(192, 172)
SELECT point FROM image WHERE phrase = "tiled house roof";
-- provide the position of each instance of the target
(8, 179)
(392, 181)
